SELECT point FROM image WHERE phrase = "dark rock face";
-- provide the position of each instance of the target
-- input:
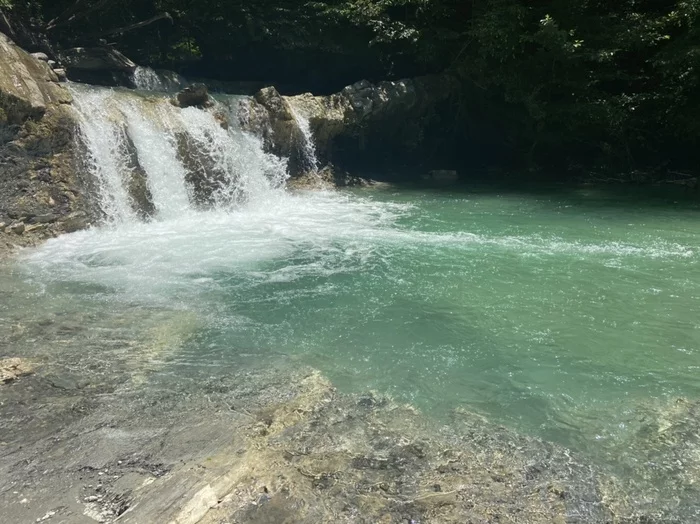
(203, 177)
(137, 181)
(97, 59)
(365, 126)
(196, 95)
(39, 177)
(380, 125)
(98, 65)
(269, 115)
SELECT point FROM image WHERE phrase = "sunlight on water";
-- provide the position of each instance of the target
(396, 294)
(562, 314)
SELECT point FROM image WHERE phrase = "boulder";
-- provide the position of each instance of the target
(270, 116)
(61, 75)
(364, 126)
(41, 56)
(442, 176)
(102, 65)
(96, 59)
(196, 95)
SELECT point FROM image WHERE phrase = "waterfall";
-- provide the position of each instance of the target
(147, 79)
(309, 145)
(152, 159)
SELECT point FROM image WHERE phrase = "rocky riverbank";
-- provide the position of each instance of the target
(282, 445)
(45, 185)
(42, 190)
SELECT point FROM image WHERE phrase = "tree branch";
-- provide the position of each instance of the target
(137, 25)
(73, 13)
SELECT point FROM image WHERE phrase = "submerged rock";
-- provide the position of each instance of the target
(13, 368)
(442, 176)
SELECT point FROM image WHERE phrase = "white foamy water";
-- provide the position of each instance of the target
(147, 79)
(304, 124)
(121, 130)
(153, 260)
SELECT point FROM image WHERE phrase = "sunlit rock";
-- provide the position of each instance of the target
(13, 368)
(38, 153)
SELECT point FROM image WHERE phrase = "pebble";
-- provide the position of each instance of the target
(92, 498)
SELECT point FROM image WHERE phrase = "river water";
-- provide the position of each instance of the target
(566, 314)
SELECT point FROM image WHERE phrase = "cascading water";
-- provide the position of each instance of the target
(555, 313)
(147, 79)
(186, 156)
(304, 124)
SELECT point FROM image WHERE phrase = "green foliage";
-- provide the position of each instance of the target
(601, 83)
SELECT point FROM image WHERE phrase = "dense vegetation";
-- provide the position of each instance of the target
(607, 86)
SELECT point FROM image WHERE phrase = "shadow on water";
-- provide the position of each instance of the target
(587, 195)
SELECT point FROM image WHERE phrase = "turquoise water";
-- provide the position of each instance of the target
(558, 313)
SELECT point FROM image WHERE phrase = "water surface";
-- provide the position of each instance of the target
(558, 313)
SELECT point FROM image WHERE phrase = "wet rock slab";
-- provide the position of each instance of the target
(282, 445)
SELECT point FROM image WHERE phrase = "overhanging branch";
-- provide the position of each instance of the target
(138, 25)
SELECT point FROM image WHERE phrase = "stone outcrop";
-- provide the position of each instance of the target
(196, 95)
(269, 115)
(102, 65)
(364, 126)
(40, 187)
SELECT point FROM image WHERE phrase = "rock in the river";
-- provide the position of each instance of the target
(442, 176)
(13, 368)
(41, 56)
(96, 59)
(196, 95)
(39, 173)
(365, 125)
(17, 228)
(269, 115)
(102, 65)
(61, 75)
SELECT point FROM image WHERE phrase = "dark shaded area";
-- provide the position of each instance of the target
(571, 88)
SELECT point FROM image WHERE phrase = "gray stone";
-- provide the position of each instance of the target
(27, 85)
(195, 95)
(443, 176)
(41, 56)
(73, 224)
(61, 75)
(40, 175)
(96, 59)
(270, 116)
(356, 123)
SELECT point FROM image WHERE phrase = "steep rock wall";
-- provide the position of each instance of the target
(41, 193)
(364, 127)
